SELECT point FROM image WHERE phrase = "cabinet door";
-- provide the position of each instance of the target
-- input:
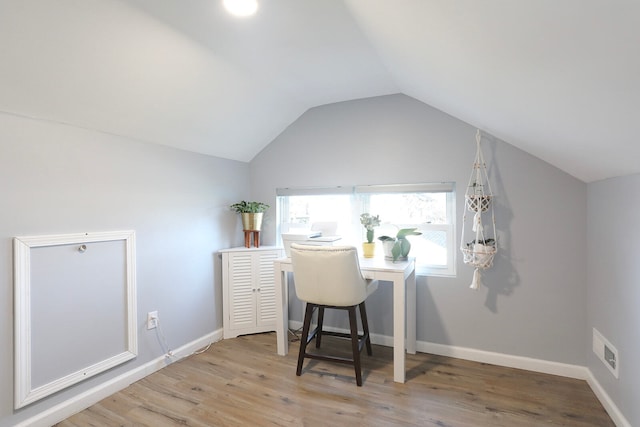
(242, 305)
(266, 310)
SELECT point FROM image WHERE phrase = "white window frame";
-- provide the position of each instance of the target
(359, 201)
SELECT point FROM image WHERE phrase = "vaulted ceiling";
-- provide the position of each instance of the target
(559, 79)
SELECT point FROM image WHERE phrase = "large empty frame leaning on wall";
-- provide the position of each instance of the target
(478, 245)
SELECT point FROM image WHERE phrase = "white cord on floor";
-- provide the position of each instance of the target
(163, 340)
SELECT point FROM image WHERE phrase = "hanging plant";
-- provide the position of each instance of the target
(478, 202)
(475, 199)
(479, 252)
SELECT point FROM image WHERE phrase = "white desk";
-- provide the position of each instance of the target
(402, 274)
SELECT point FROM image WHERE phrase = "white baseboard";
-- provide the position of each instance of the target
(509, 361)
(529, 364)
(506, 360)
(611, 408)
(77, 403)
(519, 362)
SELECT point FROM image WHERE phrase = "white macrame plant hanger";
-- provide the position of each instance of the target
(480, 251)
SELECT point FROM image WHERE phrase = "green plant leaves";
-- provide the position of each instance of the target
(407, 232)
(396, 250)
(249, 207)
(405, 247)
(402, 246)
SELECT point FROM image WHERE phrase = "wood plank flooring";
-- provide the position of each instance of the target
(242, 381)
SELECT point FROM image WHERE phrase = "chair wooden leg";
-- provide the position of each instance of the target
(320, 322)
(353, 322)
(356, 340)
(305, 334)
(365, 327)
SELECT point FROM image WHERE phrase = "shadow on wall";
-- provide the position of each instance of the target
(502, 278)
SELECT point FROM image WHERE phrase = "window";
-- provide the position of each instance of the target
(428, 207)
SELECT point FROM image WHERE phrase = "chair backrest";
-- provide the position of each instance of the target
(328, 275)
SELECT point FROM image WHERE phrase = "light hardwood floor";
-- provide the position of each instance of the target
(242, 381)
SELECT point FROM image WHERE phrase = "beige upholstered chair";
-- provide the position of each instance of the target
(330, 277)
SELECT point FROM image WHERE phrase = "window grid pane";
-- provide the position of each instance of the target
(432, 213)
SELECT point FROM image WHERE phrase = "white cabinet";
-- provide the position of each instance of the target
(248, 290)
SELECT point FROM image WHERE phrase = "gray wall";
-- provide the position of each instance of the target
(533, 302)
(614, 286)
(56, 179)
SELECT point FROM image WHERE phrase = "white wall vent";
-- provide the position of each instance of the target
(606, 352)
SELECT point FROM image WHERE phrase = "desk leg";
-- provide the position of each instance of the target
(282, 311)
(411, 313)
(399, 326)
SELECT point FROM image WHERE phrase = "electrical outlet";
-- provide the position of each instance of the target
(152, 320)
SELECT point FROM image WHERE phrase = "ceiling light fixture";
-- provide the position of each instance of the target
(241, 7)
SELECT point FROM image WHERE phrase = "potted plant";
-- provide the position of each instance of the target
(369, 222)
(476, 200)
(480, 253)
(398, 247)
(252, 213)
